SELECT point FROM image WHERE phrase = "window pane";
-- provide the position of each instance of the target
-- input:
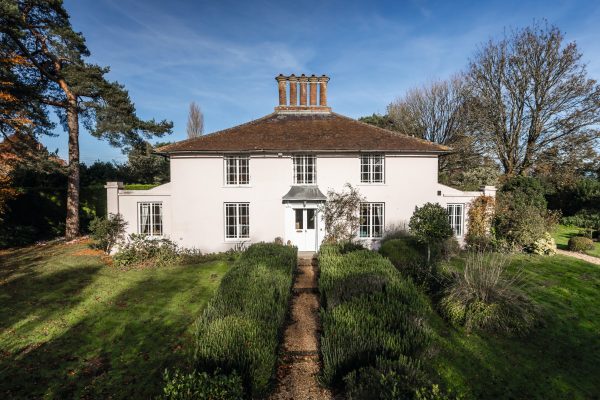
(244, 220)
(364, 169)
(299, 221)
(310, 219)
(144, 218)
(377, 220)
(364, 220)
(230, 220)
(244, 171)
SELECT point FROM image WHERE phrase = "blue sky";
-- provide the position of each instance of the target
(225, 54)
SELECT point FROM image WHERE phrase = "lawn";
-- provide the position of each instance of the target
(563, 233)
(73, 327)
(559, 360)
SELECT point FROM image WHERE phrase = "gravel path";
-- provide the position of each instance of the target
(299, 365)
(581, 256)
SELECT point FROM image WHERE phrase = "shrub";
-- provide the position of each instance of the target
(449, 248)
(371, 315)
(106, 232)
(402, 252)
(521, 213)
(341, 214)
(545, 246)
(485, 297)
(141, 250)
(480, 219)
(387, 379)
(239, 329)
(589, 220)
(430, 225)
(202, 386)
(580, 244)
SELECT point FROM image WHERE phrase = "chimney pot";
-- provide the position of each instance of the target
(323, 90)
(293, 90)
(303, 81)
(281, 83)
(313, 89)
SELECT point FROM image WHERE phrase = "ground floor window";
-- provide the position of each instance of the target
(455, 216)
(150, 219)
(237, 220)
(371, 220)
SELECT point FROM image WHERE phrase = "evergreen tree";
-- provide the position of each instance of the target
(39, 33)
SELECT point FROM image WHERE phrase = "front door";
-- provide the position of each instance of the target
(305, 227)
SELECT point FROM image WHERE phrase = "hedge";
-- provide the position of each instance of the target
(371, 314)
(239, 329)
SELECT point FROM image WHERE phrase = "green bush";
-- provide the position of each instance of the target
(580, 244)
(202, 386)
(106, 232)
(521, 213)
(371, 314)
(403, 251)
(430, 225)
(385, 380)
(485, 297)
(143, 251)
(240, 327)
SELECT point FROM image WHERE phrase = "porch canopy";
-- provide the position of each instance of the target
(304, 193)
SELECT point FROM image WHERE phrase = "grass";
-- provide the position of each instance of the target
(563, 233)
(560, 359)
(73, 327)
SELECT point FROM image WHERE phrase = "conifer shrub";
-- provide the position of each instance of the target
(239, 329)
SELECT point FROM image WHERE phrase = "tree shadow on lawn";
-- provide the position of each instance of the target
(559, 359)
(117, 352)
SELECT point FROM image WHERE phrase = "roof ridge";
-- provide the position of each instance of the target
(393, 132)
(215, 133)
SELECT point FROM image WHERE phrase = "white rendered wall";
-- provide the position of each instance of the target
(193, 203)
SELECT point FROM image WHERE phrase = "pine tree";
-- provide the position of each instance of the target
(39, 32)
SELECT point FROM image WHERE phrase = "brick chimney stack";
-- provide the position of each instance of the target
(315, 96)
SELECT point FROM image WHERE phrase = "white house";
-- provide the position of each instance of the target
(266, 178)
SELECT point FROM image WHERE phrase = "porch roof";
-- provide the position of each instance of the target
(304, 193)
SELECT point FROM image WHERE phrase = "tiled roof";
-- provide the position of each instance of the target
(294, 132)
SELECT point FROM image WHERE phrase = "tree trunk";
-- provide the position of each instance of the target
(72, 223)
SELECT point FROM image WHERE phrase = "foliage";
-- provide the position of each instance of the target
(529, 91)
(544, 246)
(372, 317)
(341, 214)
(430, 225)
(485, 297)
(521, 214)
(381, 121)
(107, 232)
(386, 379)
(143, 166)
(195, 123)
(239, 329)
(106, 332)
(480, 219)
(580, 244)
(587, 219)
(53, 65)
(202, 386)
(563, 233)
(144, 251)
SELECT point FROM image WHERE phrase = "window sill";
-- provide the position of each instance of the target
(236, 186)
(371, 184)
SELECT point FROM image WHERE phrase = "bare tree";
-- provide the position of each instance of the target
(531, 92)
(195, 124)
(341, 214)
(438, 112)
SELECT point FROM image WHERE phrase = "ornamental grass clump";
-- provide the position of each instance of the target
(373, 322)
(486, 297)
(239, 329)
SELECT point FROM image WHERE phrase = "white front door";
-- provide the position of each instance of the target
(305, 229)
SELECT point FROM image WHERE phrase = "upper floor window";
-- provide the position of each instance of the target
(455, 217)
(372, 168)
(150, 219)
(305, 170)
(237, 170)
(371, 220)
(237, 220)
